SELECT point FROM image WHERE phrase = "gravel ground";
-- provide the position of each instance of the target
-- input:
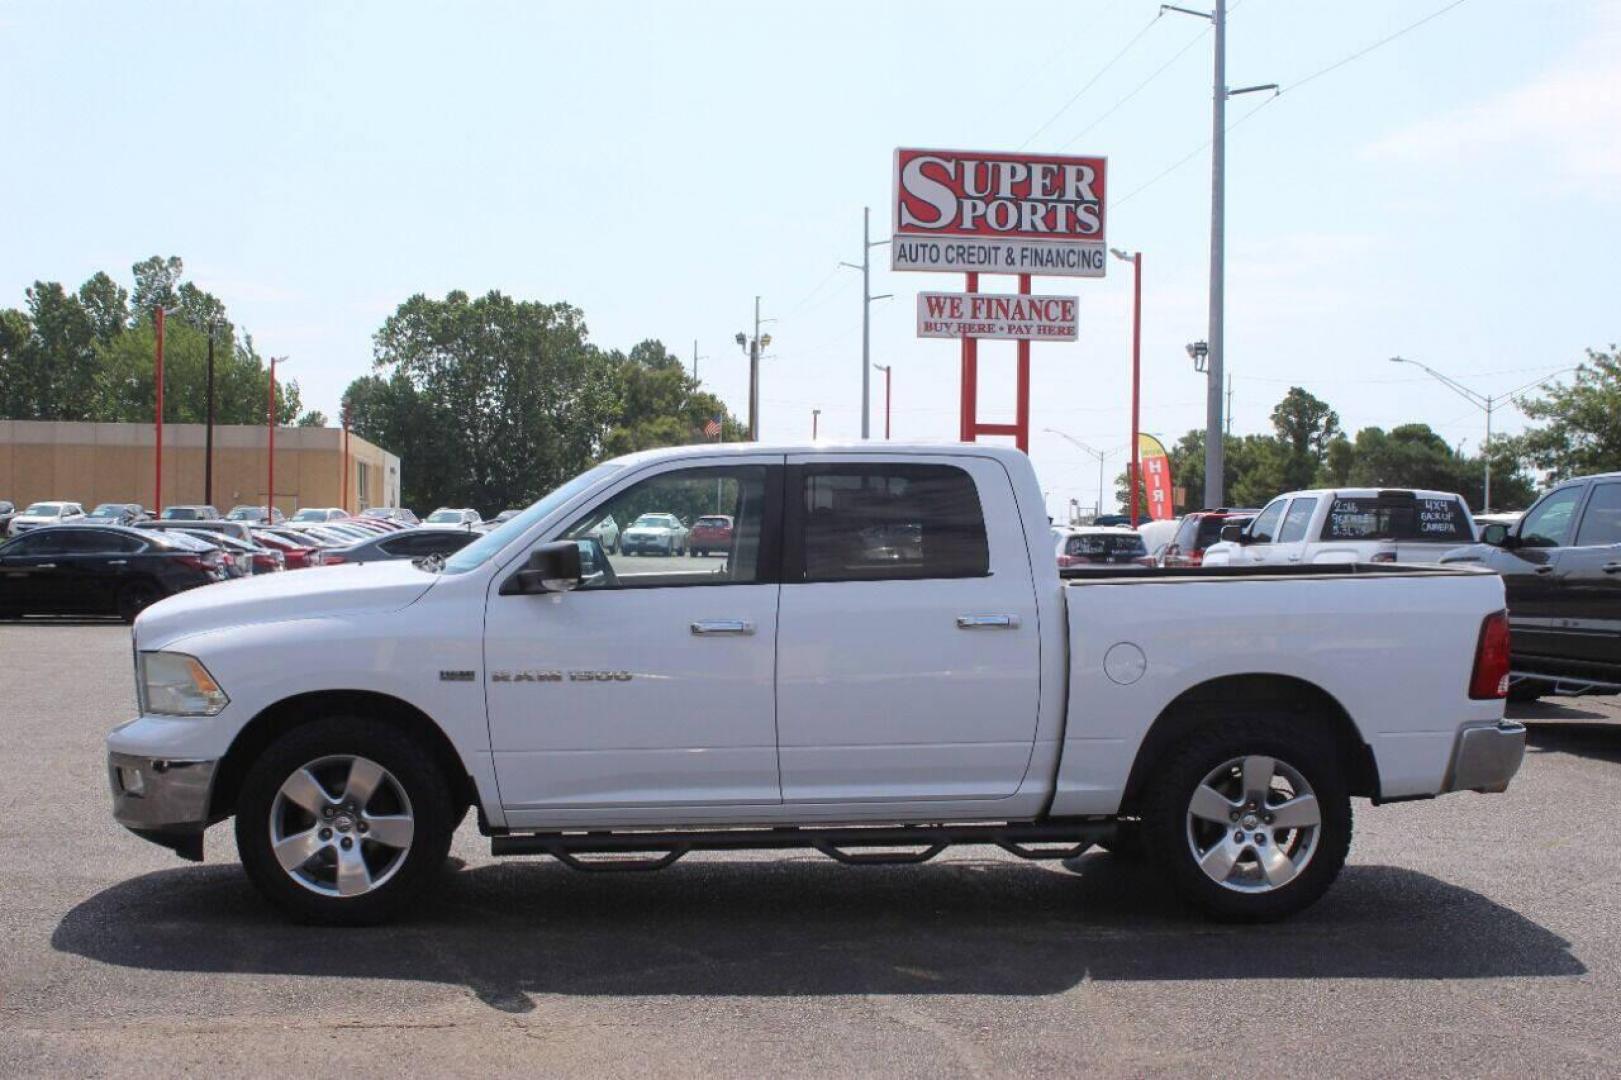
(1470, 935)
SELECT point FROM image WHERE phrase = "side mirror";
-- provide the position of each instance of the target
(553, 568)
(1495, 534)
(1232, 534)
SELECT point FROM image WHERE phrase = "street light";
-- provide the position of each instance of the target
(1199, 351)
(1481, 401)
(1101, 455)
(886, 369)
(816, 418)
(1136, 261)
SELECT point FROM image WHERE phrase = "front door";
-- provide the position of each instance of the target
(650, 689)
(1589, 575)
(1262, 536)
(906, 669)
(1537, 617)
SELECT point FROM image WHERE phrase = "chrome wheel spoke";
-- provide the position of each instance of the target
(303, 790)
(1258, 772)
(364, 776)
(296, 850)
(391, 830)
(354, 877)
(1277, 866)
(1218, 861)
(1299, 812)
(1211, 805)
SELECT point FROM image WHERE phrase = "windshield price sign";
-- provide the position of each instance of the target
(971, 212)
(1013, 317)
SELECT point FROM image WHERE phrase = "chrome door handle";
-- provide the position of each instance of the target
(723, 626)
(987, 622)
(45, 566)
(117, 562)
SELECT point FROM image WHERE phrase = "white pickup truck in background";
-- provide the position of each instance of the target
(886, 662)
(1347, 525)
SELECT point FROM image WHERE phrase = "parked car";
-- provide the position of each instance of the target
(1157, 535)
(8, 510)
(1561, 566)
(117, 514)
(99, 570)
(449, 518)
(391, 513)
(1198, 531)
(662, 534)
(256, 515)
(297, 551)
(1348, 525)
(712, 532)
(318, 514)
(40, 514)
(1090, 545)
(412, 544)
(245, 557)
(491, 524)
(189, 513)
(606, 533)
(967, 696)
(239, 529)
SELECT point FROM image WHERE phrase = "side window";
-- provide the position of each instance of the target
(653, 548)
(888, 521)
(1187, 534)
(102, 542)
(1548, 523)
(1296, 520)
(38, 544)
(1264, 529)
(1601, 521)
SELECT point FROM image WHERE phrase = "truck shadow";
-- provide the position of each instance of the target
(803, 927)
(1601, 741)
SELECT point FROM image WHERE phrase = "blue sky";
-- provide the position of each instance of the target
(1452, 196)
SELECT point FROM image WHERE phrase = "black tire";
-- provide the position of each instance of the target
(1528, 690)
(1169, 838)
(136, 597)
(431, 807)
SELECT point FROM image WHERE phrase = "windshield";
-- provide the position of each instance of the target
(651, 521)
(246, 513)
(107, 510)
(480, 550)
(443, 516)
(310, 515)
(45, 509)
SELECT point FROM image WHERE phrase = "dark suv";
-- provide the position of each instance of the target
(1561, 567)
(1199, 530)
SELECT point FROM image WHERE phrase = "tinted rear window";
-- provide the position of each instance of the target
(1105, 545)
(1397, 518)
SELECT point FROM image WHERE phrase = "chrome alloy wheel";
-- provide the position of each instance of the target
(1253, 824)
(341, 825)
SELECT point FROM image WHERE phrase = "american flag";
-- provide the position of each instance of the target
(712, 428)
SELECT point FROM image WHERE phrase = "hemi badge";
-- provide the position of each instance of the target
(456, 676)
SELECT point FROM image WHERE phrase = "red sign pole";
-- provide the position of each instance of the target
(970, 377)
(1021, 419)
(1136, 376)
(270, 422)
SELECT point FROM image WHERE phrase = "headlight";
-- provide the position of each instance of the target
(174, 684)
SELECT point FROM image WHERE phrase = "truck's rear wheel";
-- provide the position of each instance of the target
(1250, 819)
(344, 821)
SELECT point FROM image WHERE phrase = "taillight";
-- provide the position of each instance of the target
(331, 560)
(1383, 556)
(195, 562)
(1490, 678)
(1195, 557)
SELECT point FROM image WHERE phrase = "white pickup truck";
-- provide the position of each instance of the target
(887, 662)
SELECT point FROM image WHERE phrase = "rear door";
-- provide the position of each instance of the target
(1589, 580)
(906, 668)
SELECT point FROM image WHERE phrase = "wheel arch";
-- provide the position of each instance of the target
(1211, 702)
(294, 712)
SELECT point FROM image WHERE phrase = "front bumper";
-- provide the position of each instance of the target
(163, 800)
(1486, 757)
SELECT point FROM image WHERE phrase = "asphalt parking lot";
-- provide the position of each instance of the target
(1469, 935)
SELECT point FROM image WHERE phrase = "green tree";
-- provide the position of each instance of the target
(1582, 429)
(660, 404)
(156, 281)
(1305, 427)
(313, 418)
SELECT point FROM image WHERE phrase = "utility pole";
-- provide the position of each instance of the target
(888, 370)
(816, 418)
(695, 359)
(1214, 451)
(208, 433)
(867, 298)
(751, 347)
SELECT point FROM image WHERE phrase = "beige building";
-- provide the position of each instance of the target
(97, 463)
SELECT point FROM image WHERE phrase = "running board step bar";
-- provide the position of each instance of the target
(631, 851)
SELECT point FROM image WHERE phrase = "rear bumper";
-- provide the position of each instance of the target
(1486, 757)
(162, 799)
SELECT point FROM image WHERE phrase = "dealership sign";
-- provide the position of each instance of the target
(1015, 316)
(970, 212)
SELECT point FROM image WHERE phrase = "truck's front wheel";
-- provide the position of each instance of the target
(1250, 819)
(343, 821)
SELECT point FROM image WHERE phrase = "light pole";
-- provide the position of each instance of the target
(1101, 455)
(1213, 448)
(1136, 261)
(867, 244)
(887, 369)
(751, 348)
(816, 417)
(1481, 401)
(695, 359)
(270, 420)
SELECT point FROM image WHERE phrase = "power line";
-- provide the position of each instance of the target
(1138, 36)
(1288, 87)
(1112, 109)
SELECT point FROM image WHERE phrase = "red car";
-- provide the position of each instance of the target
(712, 532)
(1198, 531)
(295, 555)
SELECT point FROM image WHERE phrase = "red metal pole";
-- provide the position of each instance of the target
(270, 420)
(1021, 419)
(889, 373)
(157, 481)
(970, 376)
(1136, 375)
(344, 462)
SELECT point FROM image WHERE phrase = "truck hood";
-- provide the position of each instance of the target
(361, 588)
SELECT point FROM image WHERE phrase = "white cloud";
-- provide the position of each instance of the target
(1564, 124)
